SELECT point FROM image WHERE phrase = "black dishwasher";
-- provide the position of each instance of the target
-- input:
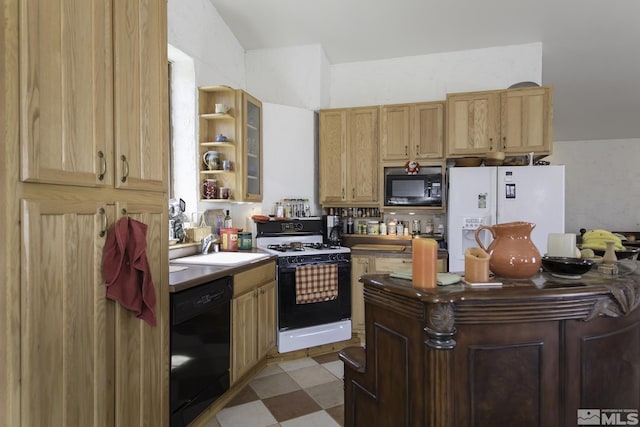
(200, 339)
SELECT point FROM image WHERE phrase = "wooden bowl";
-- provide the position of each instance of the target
(494, 158)
(468, 161)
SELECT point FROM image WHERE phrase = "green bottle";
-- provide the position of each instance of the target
(228, 223)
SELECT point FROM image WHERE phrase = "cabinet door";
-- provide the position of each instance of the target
(362, 155)
(252, 149)
(473, 123)
(395, 132)
(244, 352)
(67, 335)
(266, 318)
(527, 120)
(142, 351)
(359, 267)
(66, 92)
(428, 131)
(140, 96)
(332, 159)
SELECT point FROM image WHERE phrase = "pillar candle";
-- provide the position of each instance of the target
(476, 265)
(425, 263)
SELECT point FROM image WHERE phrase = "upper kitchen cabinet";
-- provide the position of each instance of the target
(140, 88)
(250, 178)
(527, 120)
(349, 156)
(66, 92)
(412, 131)
(516, 121)
(230, 144)
(89, 102)
(473, 123)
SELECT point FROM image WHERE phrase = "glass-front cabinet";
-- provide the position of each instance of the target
(252, 153)
(230, 145)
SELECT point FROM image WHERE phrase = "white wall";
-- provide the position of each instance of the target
(431, 77)
(296, 76)
(290, 162)
(602, 184)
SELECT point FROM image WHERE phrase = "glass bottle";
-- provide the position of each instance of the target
(228, 223)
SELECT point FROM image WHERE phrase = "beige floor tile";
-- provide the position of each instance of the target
(327, 395)
(317, 419)
(212, 423)
(253, 414)
(269, 370)
(336, 368)
(273, 385)
(312, 375)
(292, 365)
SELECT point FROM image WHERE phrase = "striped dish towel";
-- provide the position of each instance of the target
(316, 283)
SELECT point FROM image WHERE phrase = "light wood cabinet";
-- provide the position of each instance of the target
(359, 266)
(527, 120)
(473, 123)
(140, 94)
(236, 135)
(349, 155)
(89, 119)
(253, 318)
(84, 355)
(66, 98)
(516, 121)
(412, 131)
(374, 264)
(85, 144)
(266, 318)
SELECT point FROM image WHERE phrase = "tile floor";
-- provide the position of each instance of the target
(298, 393)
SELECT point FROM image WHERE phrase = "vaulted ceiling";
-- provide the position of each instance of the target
(591, 48)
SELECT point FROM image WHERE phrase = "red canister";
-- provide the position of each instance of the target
(229, 239)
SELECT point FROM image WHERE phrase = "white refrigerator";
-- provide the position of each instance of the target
(497, 194)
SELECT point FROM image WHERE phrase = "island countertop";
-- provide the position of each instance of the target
(542, 287)
(528, 353)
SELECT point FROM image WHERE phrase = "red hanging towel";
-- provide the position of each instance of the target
(126, 269)
(316, 283)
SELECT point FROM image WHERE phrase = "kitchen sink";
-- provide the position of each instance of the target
(221, 258)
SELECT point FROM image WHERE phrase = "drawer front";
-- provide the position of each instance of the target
(248, 280)
(388, 265)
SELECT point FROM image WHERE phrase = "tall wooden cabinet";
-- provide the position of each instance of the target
(84, 144)
(349, 155)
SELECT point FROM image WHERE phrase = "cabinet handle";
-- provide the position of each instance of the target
(490, 144)
(504, 143)
(125, 166)
(417, 150)
(103, 166)
(406, 150)
(353, 193)
(102, 212)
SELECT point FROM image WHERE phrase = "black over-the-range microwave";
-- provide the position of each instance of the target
(422, 189)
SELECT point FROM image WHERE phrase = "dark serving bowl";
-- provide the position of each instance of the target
(566, 266)
(621, 254)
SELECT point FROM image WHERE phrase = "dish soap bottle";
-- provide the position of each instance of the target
(228, 223)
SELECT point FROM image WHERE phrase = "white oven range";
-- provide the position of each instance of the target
(299, 246)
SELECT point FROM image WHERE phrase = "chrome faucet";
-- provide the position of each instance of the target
(206, 241)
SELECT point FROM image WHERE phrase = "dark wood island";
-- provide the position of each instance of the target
(530, 353)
